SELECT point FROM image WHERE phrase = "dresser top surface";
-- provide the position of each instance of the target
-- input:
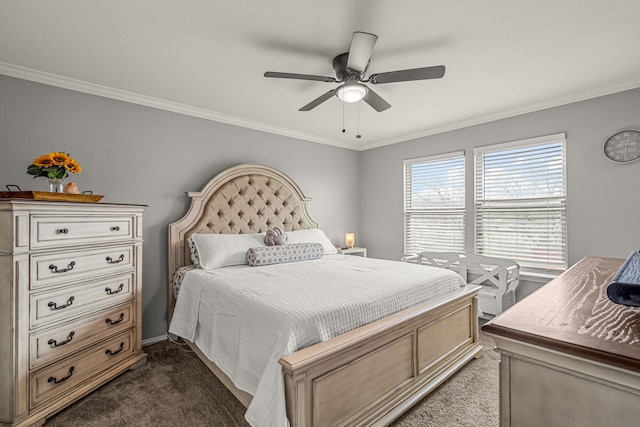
(573, 314)
(12, 204)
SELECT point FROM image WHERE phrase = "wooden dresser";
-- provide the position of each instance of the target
(569, 356)
(70, 302)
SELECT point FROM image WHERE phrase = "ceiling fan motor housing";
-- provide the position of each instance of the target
(342, 72)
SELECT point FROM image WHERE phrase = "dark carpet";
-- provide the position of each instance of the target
(175, 389)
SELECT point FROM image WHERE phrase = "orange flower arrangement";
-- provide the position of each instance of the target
(55, 165)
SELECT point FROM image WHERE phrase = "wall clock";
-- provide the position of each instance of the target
(623, 146)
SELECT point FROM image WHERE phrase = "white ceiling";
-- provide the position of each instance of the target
(207, 58)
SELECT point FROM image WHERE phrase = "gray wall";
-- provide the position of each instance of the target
(136, 154)
(603, 198)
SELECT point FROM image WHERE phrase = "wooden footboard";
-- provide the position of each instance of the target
(371, 375)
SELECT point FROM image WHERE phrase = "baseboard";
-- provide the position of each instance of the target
(154, 340)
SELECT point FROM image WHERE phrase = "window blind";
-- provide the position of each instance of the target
(434, 207)
(520, 202)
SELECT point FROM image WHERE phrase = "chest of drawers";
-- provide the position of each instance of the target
(70, 303)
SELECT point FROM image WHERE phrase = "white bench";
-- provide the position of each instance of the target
(498, 277)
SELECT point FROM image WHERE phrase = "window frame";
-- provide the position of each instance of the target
(560, 200)
(460, 154)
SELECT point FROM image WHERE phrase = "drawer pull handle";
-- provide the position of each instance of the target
(54, 343)
(53, 306)
(63, 231)
(116, 228)
(113, 353)
(63, 379)
(111, 261)
(54, 268)
(114, 322)
(110, 292)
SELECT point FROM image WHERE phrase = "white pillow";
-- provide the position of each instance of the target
(222, 250)
(312, 235)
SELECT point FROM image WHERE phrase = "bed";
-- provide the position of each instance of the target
(365, 376)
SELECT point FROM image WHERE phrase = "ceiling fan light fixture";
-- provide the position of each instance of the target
(351, 92)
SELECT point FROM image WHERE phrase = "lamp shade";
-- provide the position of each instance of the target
(350, 240)
(351, 92)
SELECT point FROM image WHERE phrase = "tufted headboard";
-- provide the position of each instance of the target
(243, 199)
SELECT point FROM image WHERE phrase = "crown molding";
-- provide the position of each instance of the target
(583, 95)
(24, 73)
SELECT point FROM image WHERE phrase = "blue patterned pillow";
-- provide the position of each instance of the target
(195, 258)
(267, 255)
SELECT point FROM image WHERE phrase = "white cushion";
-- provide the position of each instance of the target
(222, 250)
(312, 235)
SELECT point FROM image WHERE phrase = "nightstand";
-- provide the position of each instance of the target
(353, 251)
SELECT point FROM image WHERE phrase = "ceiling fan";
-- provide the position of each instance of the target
(350, 68)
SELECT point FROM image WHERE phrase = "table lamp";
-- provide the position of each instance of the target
(350, 240)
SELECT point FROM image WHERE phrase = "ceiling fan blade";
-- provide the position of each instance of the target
(408, 75)
(376, 101)
(319, 100)
(360, 51)
(278, 75)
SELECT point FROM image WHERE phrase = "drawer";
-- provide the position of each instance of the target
(52, 306)
(56, 231)
(71, 266)
(70, 373)
(55, 343)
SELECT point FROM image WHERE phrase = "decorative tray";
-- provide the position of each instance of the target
(46, 195)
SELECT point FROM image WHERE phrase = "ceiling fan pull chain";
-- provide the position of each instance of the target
(343, 129)
(358, 136)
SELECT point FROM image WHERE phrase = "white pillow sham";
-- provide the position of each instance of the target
(312, 235)
(223, 250)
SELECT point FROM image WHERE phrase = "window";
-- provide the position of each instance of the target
(520, 202)
(434, 203)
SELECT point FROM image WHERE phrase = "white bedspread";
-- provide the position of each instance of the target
(245, 318)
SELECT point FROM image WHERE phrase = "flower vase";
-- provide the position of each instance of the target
(56, 185)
